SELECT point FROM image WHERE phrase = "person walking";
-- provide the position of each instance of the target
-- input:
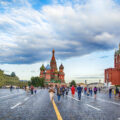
(88, 92)
(51, 92)
(85, 90)
(35, 90)
(73, 91)
(79, 90)
(91, 91)
(119, 94)
(11, 88)
(67, 90)
(32, 88)
(99, 89)
(58, 93)
(63, 91)
(110, 92)
(115, 93)
(27, 89)
(95, 92)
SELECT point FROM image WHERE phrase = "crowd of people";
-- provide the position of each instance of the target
(62, 91)
(87, 91)
(31, 89)
(114, 91)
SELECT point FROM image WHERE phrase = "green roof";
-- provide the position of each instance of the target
(42, 68)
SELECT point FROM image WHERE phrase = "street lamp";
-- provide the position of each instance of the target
(85, 81)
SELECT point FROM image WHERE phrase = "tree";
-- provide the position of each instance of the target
(73, 83)
(13, 74)
(37, 81)
(29, 83)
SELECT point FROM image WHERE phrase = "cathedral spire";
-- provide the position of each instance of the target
(53, 51)
(53, 61)
(53, 54)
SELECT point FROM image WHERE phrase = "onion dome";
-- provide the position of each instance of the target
(48, 67)
(42, 68)
(61, 67)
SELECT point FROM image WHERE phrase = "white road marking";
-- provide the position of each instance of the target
(26, 99)
(10, 95)
(93, 107)
(16, 105)
(86, 104)
(104, 100)
(118, 118)
(108, 101)
(73, 98)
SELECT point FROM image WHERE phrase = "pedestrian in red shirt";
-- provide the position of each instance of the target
(73, 91)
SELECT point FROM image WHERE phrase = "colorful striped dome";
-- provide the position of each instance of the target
(48, 67)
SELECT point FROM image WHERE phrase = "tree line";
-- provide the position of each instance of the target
(37, 82)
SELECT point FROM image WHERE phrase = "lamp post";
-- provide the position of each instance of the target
(86, 82)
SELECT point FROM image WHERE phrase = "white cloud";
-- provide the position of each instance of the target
(71, 28)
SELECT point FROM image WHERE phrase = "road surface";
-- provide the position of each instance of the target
(18, 105)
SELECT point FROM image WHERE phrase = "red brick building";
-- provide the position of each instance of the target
(113, 74)
(51, 73)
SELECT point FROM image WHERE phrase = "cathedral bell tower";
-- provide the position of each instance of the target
(53, 65)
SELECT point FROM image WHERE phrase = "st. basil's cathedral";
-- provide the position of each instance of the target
(50, 73)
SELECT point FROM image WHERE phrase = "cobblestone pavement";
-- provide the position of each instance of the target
(18, 105)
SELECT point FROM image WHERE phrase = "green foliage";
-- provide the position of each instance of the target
(13, 74)
(73, 83)
(37, 81)
(29, 83)
(7, 80)
(57, 81)
(42, 68)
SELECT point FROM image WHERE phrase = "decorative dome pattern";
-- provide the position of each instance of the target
(56, 71)
(42, 68)
(48, 67)
(61, 67)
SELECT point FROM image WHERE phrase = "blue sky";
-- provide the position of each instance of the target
(84, 33)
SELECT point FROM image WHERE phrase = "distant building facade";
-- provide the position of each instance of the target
(50, 73)
(113, 74)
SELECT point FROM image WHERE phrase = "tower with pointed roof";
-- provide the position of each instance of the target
(48, 73)
(42, 73)
(53, 65)
(113, 74)
(61, 73)
(117, 58)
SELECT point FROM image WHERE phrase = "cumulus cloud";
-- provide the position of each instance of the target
(27, 35)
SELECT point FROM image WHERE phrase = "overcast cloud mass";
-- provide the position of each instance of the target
(29, 30)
